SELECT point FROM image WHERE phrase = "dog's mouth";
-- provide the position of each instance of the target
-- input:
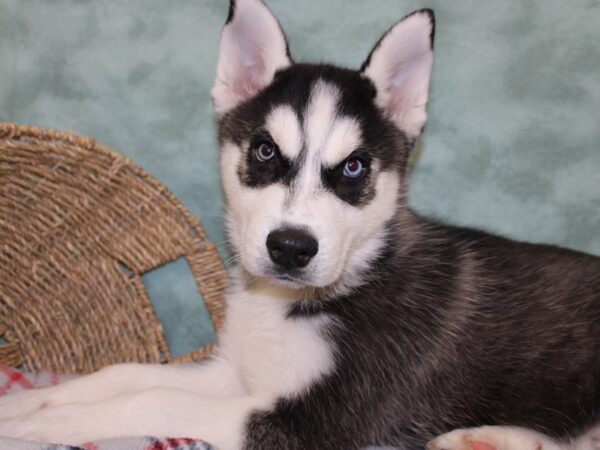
(287, 279)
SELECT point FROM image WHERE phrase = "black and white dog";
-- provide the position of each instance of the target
(351, 320)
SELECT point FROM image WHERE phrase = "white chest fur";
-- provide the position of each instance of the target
(275, 355)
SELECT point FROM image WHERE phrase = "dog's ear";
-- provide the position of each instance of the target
(252, 48)
(400, 67)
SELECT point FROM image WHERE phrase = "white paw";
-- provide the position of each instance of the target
(493, 438)
(24, 402)
(61, 424)
(462, 439)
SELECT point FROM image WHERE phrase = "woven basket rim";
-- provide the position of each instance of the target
(201, 251)
(16, 131)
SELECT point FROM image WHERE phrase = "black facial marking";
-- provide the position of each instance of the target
(256, 173)
(356, 191)
(292, 87)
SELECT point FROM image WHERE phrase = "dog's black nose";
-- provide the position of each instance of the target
(291, 248)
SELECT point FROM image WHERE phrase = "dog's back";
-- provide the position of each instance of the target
(518, 330)
(532, 348)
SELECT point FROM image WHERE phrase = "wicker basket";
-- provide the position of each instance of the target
(79, 224)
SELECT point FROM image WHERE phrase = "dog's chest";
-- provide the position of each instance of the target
(276, 355)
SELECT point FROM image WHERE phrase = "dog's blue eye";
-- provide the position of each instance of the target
(265, 151)
(353, 168)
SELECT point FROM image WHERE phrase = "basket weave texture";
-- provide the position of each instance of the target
(79, 225)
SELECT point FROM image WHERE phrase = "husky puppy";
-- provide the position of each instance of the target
(351, 320)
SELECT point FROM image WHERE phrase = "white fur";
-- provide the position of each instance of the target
(153, 411)
(500, 438)
(320, 114)
(275, 356)
(251, 50)
(261, 357)
(348, 237)
(510, 438)
(251, 213)
(400, 68)
(283, 125)
(344, 138)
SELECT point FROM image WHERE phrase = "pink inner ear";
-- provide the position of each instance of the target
(400, 67)
(404, 89)
(249, 81)
(250, 67)
(252, 48)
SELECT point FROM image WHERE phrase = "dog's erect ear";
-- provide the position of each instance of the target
(252, 49)
(400, 67)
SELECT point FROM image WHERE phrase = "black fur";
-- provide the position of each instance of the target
(292, 86)
(355, 191)
(452, 327)
(456, 328)
(255, 173)
(231, 12)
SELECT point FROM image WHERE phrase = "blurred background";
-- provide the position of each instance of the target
(512, 144)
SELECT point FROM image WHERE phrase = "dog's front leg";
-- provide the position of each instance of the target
(215, 377)
(154, 412)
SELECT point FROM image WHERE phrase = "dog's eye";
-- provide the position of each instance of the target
(354, 168)
(265, 151)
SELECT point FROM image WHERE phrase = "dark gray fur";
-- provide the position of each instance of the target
(452, 327)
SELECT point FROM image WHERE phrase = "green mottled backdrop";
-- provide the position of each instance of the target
(513, 140)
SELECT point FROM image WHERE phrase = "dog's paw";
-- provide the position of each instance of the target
(61, 424)
(462, 440)
(493, 438)
(24, 402)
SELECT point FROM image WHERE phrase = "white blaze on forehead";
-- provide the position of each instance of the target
(330, 137)
(283, 125)
(320, 115)
(344, 138)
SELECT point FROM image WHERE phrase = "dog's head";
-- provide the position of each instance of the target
(313, 157)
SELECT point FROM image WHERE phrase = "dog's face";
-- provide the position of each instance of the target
(313, 156)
